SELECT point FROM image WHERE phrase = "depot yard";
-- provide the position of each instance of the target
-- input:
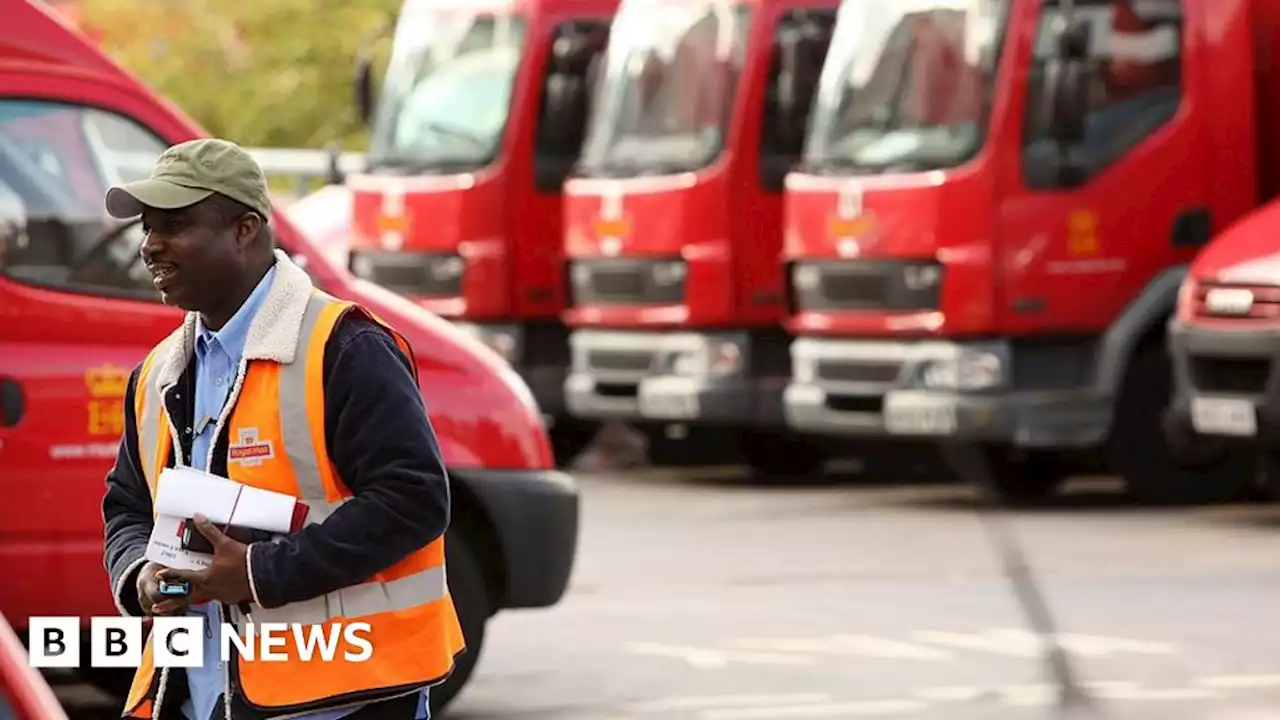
(702, 597)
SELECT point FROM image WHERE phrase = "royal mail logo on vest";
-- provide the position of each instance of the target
(249, 449)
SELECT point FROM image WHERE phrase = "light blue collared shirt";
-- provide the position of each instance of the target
(218, 357)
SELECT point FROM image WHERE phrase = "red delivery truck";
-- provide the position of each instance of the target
(998, 203)
(1223, 338)
(78, 312)
(673, 223)
(479, 119)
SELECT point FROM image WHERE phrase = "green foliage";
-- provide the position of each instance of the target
(264, 73)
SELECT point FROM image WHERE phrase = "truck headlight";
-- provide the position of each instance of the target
(668, 273)
(715, 358)
(966, 371)
(505, 341)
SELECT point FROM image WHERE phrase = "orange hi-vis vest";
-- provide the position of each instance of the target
(274, 418)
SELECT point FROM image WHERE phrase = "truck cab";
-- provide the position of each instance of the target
(478, 121)
(998, 202)
(673, 219)
(78, 311)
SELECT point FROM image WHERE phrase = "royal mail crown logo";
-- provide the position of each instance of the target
(107, 381)
(250, 449)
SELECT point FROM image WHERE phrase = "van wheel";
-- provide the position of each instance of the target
(570, 438)
(1028, 478)
(1161, 470)
(781, 456)
(471, 598)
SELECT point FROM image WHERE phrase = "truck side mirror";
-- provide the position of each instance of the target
(1067, 79)
(566, 90)
(799, 55)
(364, 87)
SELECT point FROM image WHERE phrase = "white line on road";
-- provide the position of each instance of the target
(1240, 682)
(849, 644)
(712, 658)
(721, 701)
(843, 709)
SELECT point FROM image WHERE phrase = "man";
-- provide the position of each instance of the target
(273, 384)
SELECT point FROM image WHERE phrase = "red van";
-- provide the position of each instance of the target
(77, 312)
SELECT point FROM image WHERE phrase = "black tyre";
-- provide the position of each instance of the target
(1158, 469)
(471, 597)
(570, 438)
(781, 456)
(1024, 478)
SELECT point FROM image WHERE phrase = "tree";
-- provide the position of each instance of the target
(263, 73)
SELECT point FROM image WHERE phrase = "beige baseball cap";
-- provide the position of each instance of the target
(189, 172)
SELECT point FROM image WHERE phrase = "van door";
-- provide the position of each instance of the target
(77, 313)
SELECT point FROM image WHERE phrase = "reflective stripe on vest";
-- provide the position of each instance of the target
(275, 427)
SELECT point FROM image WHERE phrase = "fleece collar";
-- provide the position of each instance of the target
(273, 334)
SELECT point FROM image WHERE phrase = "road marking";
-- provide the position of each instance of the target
(717, 701)
(712, 658)
(861, 645)
(843, 709)
(1024, 644)
(1240, 682)
(998, 642)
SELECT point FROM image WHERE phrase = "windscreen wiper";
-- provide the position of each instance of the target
(968, 462)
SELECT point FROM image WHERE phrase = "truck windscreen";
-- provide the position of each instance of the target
(448, 89)
(907, 85)
(671, 76)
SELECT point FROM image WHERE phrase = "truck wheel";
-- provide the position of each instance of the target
(780, 456)
(1024, 478)
(569, 439)
(471, 598)
(1157, 469)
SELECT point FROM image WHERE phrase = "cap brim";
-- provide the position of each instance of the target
(130, 199)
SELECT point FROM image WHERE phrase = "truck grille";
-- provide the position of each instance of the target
(627, 281)
(837, 371)
(620, 360)
(894, 285)
(411, 273)
(1262, 302)
(1231, 375)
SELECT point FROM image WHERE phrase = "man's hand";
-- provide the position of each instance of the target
(149, 597)
(226, 580)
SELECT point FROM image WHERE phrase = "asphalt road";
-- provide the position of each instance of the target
(698, 596)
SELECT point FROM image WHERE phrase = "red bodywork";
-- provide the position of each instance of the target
(506, 230)
(24, 694)
(719, 219)
(1019, 261)
(72, 354)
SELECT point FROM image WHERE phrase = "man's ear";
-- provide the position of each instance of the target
(247, 230)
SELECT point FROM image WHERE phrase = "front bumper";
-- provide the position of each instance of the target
(727, 379)
(535, 517)
(1225, 384)
(890, 389)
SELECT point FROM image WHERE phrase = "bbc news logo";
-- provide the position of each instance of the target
(54, 642)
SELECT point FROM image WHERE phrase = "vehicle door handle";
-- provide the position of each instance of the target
(13, 403)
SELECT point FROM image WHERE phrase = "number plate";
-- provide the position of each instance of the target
(919, 416)
(669, 401)
(1223, 416)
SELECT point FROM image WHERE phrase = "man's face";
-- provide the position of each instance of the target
(196, 258)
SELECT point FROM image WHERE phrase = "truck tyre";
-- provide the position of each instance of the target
(569, 439)
(780, 456)
(1157, 469)
(1024, 478)
(471, 598)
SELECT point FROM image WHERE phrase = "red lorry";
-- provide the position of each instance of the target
(478, 121)
(673, 223)
(78, 311)
(996, 208)
(1223, 339)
